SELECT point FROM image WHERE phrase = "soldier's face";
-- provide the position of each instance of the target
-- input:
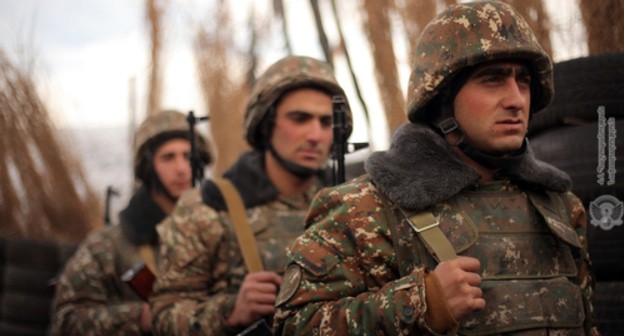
(172, 165)
(493, 107)
(303, 127)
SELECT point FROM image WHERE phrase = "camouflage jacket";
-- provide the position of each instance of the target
(345, 276)
(200, 265)
(91, 298)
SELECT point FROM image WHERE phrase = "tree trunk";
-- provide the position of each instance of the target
(538, 19)
(603, 23)
(377, 28)
(415, 15)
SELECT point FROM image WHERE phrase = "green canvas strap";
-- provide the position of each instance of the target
(242, 230)
(427, 227)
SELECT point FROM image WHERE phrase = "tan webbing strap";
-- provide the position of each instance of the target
(427, 228)
(147, 252)
(238, 217)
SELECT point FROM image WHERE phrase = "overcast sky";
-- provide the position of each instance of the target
(87, 52)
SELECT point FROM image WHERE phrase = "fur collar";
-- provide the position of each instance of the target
(138, 220)
(248, 176)
(420, 170)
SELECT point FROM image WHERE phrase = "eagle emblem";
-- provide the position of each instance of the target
(606, 212)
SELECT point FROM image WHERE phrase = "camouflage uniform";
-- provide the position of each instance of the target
(91, 298)
(361, 269)
(201, 267)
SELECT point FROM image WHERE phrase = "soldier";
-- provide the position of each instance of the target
(457, 227)
(203, 287)
(91, 298)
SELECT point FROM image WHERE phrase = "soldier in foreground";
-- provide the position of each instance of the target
(203, 286)
(457, 228)
(91, 298)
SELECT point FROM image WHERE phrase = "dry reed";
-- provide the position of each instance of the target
(154, 16)
(224, 93)
(45, 194)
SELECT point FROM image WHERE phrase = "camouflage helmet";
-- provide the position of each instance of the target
(289, 73)
(162, 125)
(468, 34)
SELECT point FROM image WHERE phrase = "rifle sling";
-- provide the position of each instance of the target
(147, 253)
(238, 217)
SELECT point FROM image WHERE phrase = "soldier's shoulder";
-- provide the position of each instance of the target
(101, 239)
(191, 214)
(354, 186)
(350, 192)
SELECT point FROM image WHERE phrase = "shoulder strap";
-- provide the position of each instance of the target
(147, 253)
(238, 217)
(428, 230)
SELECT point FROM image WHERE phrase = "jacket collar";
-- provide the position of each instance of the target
(138, 220)
(420, 169)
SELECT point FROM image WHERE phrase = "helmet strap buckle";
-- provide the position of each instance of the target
(448, 126)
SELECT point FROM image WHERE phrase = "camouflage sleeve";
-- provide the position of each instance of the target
(585, 271)
(82, 303)
(189, 294)
(343, 278)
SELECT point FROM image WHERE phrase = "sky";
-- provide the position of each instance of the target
(88, 52)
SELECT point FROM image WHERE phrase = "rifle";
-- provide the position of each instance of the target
(259, 328)
(195, 166)
(110, 192)
(341, 146)
(140, 279)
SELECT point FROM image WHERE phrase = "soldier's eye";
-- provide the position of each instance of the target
(326, 121)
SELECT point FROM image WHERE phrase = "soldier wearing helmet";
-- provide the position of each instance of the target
(91, 297)
(457, 228)
(204, 286)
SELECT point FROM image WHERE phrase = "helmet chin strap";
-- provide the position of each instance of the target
(293, 168)
(490, 161)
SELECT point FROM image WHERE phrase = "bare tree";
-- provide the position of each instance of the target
(603, 23)
(323, 41)
(345, 51)
(278, 10)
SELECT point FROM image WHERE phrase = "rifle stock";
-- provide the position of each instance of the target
(140, 279)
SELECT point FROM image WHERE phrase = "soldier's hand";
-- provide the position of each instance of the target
(255, 299)
(146, 319)
(460, 282)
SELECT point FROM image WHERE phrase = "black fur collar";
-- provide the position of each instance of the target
(420, 170)
(248, 176)
(138, 220)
